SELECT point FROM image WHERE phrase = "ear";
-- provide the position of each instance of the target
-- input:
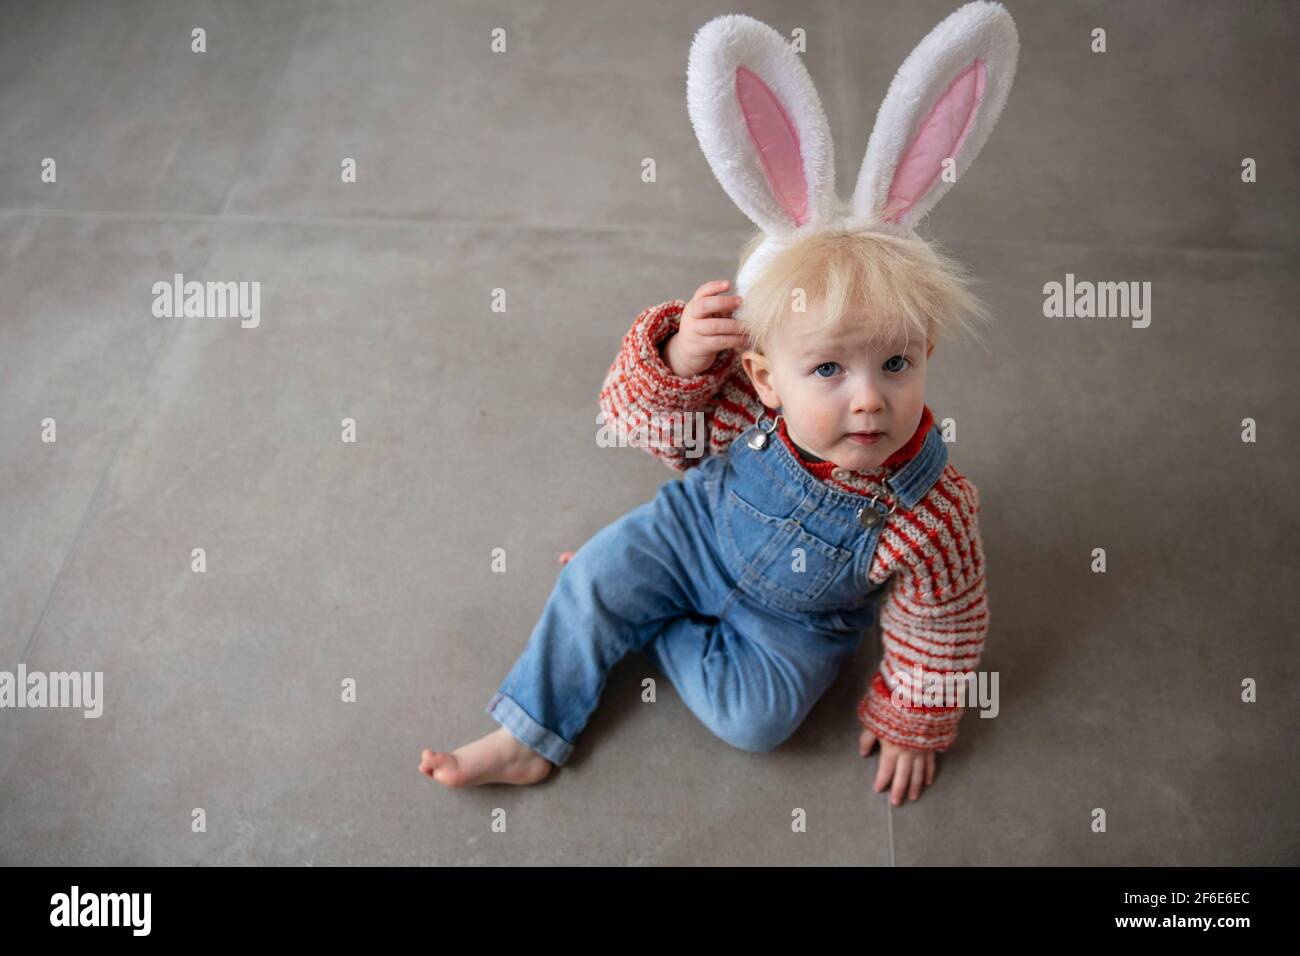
(943, 103)
(760, 124)
(759, 372)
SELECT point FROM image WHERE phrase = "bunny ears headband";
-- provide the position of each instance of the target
(762, 128)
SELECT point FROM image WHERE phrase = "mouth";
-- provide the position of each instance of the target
(866, 438)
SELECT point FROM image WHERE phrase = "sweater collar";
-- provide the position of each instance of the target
(823, 469)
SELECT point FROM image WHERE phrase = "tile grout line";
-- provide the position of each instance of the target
(740, 231)
(344, 221)
(154, 365)
(75, 544)
(1278, 253)
(266, 114)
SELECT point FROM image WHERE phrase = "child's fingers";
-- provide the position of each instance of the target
(918, 777)
(724, 342)
(885, 772)
(719, 327)
(929, 768)
(866, 740)
(723, 303)
(901, 776)
(711, 287)
(708, 305)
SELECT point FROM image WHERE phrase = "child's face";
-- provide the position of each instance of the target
(830, 387)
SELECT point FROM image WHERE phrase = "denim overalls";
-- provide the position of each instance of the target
(745, 583)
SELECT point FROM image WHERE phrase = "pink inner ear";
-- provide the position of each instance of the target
(939, 138)
(777, 143)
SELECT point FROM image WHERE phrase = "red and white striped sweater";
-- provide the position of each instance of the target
(935, 615)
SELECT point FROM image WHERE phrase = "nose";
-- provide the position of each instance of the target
(868, 399)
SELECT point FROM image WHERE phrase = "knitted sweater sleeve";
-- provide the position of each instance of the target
(651, 408)
(934, 621)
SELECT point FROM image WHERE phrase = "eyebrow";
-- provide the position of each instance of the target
(823, 347)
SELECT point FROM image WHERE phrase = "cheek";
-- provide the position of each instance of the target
(822, 416)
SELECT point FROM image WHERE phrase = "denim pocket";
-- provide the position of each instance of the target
(787, 563)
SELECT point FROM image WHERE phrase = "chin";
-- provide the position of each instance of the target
(865, 459)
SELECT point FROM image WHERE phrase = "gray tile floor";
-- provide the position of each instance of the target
(370, 561)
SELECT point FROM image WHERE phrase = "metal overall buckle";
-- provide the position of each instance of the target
(869, 517)
(758, 440)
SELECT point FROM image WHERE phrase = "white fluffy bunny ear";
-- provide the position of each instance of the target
(943, 103)
(760, 124)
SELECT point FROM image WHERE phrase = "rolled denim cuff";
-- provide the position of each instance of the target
(527, 731)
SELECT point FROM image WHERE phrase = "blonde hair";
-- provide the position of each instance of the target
(893, 286)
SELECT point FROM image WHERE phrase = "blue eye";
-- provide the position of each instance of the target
(904, 358)
(822, 366)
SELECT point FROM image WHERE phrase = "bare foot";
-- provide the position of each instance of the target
(495, 758)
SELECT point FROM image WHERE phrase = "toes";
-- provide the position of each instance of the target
(430, 761)
(444, 768)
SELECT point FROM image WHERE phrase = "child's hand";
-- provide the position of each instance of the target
(904, 765)
(704, 330)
